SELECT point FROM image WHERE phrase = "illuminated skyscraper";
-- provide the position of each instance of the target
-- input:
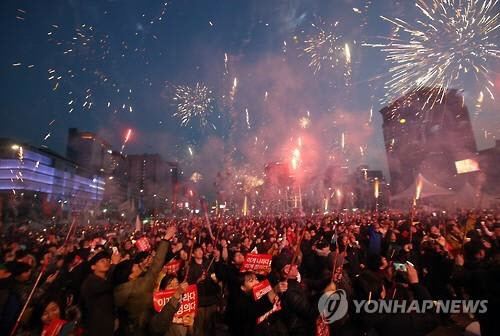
(428, 138)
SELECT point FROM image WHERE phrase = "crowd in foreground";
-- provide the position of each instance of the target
(105, 280)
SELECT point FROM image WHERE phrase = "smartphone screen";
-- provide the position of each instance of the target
(399, 267)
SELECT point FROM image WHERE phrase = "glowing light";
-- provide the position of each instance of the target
(479, 101)
(232, 94)
(295, 158)
(376, 186)
(245, 206)
(419, 188)
(196, 177)
(127, 137)
(304, 122)
(347, 53)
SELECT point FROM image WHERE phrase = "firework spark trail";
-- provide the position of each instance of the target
(247, 118)
(127, 137)
(451, 39)
(347, 65)
(232, 94)
(93, 52)
(226, 70)
(193, 102)
(364, 12)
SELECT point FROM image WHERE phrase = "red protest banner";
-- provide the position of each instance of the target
(322, 329)
(188, 301)
(53, 328)
(172, 267)
(261, 289)
(143, 244)
(259, 263)
(161, 298)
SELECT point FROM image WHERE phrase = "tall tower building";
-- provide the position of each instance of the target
(87, 150)
(151, 182)
(428, 138)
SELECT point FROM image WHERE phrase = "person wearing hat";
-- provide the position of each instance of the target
(162, 322)
(97, 297)
(133, 294)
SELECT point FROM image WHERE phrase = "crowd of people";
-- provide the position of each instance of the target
(102, 280)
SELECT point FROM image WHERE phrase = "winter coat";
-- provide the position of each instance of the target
(299, 313)
(135, 297)
(161, 323)
(408, 324)
(243, 312)
(99, 309)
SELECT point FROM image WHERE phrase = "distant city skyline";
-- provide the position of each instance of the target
(110, 66)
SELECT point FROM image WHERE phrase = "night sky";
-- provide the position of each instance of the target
(131, 54)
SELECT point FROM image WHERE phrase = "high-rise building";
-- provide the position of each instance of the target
(427, 136)
(116, 175)
(489, 163)
(151, 182)
(87, 150)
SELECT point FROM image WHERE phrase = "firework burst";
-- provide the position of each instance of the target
(304, 122)
(451, 40)
(193, 103)
(323, 47)
(326, 51)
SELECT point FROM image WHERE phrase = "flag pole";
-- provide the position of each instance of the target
(30, 296)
